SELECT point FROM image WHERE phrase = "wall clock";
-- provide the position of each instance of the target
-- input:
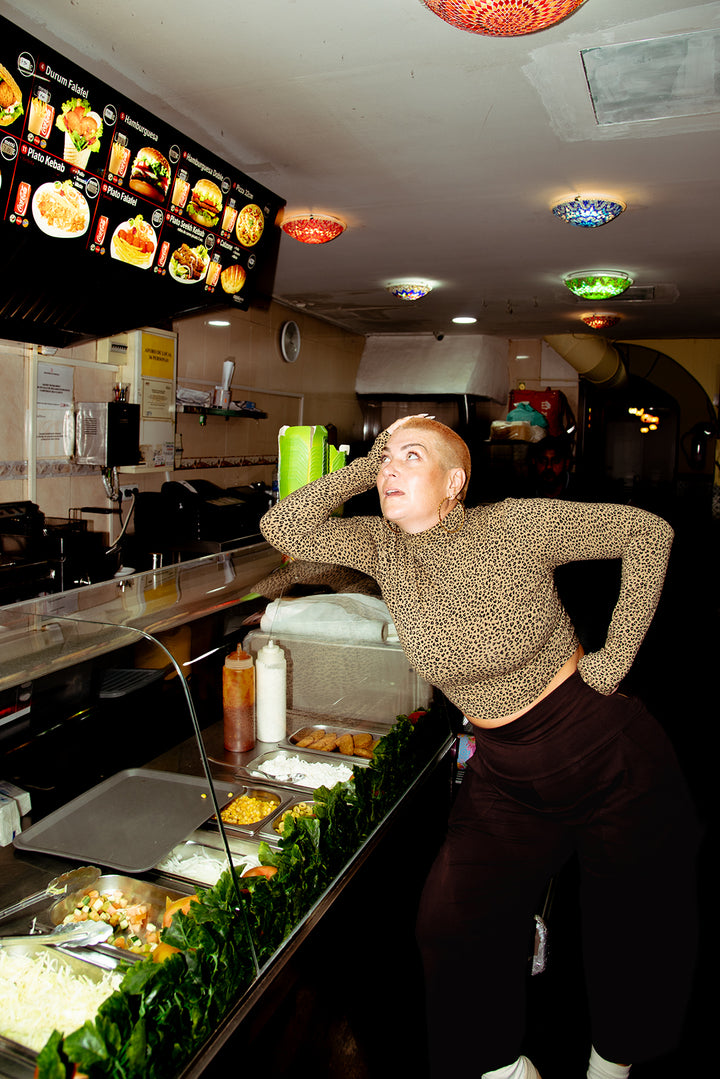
(290, 341)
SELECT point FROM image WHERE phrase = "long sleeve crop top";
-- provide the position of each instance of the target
(476, 610)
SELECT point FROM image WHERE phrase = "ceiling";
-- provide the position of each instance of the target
(444, 151)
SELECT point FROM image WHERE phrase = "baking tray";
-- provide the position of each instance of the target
(249, 772)
(331, 730)
(129, 821)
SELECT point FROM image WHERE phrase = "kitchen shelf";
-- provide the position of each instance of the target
(144, 470)
(235, 413)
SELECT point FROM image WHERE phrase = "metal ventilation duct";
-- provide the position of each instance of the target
(592, 357)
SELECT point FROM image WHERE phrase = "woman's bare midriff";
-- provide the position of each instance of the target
(568, 668)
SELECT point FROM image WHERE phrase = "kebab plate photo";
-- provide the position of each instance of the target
(188, 265)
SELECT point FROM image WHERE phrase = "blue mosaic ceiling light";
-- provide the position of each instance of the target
(590, 212)
(409, 290)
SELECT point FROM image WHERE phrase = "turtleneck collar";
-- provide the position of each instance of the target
(437, 536)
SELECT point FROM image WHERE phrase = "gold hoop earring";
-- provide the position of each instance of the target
(441, 520)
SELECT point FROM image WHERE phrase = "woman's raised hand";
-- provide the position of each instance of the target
(408, 419)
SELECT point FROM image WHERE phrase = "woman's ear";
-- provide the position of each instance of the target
(456, 482)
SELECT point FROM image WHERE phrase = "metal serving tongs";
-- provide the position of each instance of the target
(72, 881)
(72, 935)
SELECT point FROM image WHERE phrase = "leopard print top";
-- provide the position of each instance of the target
(476, 611)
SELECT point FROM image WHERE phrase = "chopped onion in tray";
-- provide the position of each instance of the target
(201, 866)
(39, 993)
(307, 773)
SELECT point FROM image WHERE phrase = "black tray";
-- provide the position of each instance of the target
(129, 821)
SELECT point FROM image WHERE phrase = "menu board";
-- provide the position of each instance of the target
(121, 220)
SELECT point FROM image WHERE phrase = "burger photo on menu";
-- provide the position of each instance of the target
(188, 265)
(205, 204)
(134, 242)
(150, 174)
(11, 106)
(82, 128)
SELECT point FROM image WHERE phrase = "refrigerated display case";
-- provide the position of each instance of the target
(65, 638)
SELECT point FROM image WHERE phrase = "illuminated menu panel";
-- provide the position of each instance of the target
(114, 207)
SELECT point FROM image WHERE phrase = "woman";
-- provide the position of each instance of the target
(563, 764)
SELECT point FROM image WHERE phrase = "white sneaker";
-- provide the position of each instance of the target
(521, 1069)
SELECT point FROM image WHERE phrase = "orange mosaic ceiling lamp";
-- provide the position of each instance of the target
(502, 18)
(600, 322)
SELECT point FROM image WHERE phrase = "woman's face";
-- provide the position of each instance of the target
(412, 480)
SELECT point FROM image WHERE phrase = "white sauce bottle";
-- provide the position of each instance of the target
(271, 680)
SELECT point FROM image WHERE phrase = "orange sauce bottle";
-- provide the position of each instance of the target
(239, 702)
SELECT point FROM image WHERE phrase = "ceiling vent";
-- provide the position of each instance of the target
(644, 294)
(673, 76)
(638, 293)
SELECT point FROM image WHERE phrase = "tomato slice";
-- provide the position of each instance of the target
(172, 907)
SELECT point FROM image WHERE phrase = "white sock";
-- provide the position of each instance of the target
(521, 1069)
(599, 1068)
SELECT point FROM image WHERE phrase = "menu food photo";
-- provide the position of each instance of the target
(96, 182)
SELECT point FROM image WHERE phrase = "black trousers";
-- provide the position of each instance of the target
(585, 774)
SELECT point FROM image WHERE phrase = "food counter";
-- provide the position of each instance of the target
(373, 922)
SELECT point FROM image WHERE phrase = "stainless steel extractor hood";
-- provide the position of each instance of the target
(421, 364)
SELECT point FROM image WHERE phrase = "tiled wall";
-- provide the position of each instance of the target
(60, 485)
(322, 380)
(319, 386)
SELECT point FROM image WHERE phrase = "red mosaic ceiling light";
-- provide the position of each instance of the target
(313, 228)
(502, 18)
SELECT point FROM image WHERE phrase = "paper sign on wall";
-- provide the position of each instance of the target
(158, 400)
(157, 356)
(55, 419)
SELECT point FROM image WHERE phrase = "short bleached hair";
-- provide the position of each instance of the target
(455, 453)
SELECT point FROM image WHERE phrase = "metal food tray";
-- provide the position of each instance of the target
(249, 771)
(209, 836)
(19, 1060)
(263, 792)
(268, 830)
(184, 853)
(129, 821)
(135, 891)
(292, 739)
